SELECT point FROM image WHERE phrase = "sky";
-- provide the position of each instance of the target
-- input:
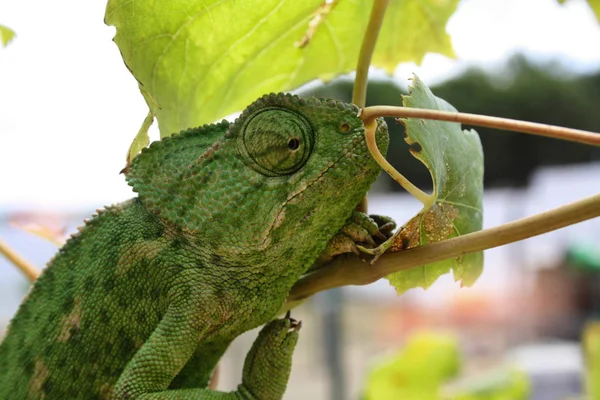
(69, 108)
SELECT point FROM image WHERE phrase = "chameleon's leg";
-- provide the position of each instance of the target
(152, 369)
(360, 229)
(199, 371)
(268, 364)
(154, 366)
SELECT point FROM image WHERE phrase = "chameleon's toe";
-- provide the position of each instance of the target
(296, 326)
(358, 234)
(386, 226)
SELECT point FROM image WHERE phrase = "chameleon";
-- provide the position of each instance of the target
(143, 301)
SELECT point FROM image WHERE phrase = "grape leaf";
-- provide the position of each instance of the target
(6, 35)
(455, 160)
(411, 29)
(197, 61)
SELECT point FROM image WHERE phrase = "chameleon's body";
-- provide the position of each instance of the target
(143, 302)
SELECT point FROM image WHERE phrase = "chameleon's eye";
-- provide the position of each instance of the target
(277, 141)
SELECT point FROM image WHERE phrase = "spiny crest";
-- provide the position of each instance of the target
(90, 223)
(158, 146)
(167, 158)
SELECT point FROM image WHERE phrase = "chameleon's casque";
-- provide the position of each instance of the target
(142, 303)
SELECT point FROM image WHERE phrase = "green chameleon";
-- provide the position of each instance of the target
(142, 303)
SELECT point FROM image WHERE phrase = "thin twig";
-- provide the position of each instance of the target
(359, 91)
(556, 132)
(25, 267)
(353, 271)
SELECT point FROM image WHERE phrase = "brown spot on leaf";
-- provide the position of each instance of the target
(408, 236)
(435, 224)
(438, 222)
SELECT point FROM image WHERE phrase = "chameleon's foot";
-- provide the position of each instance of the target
(268, 364)
(359, 235)
(386, 227)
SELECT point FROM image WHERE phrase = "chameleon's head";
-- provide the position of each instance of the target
(282, 178)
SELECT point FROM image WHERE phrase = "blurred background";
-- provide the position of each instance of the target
(69, 110)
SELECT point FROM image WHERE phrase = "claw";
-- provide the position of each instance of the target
(380, 235)
(296, 325)
(388, 226)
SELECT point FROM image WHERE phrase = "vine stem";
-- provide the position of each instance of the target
(359, 90)
(574, 135)
(27, 268)
(353, 271)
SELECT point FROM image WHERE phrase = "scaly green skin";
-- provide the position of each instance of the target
(144, 301)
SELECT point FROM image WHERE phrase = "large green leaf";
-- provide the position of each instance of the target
(197, 61)
(455, 160)
(411, 29)
(6, 35)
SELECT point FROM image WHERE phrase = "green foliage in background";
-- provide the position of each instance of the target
(198, 61)
(501, 383)
(531, 92)
(426, 367)
(591, 353)
(416, 372)
(6, 35)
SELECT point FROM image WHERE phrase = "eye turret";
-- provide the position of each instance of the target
(276, 141)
